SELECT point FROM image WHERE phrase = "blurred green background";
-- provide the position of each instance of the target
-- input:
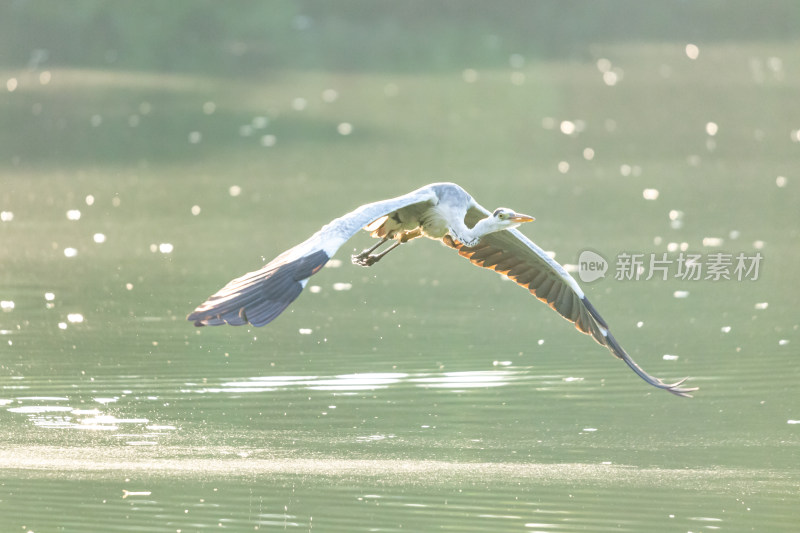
(151, 151)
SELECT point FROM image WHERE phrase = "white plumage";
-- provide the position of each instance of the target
(442, 211)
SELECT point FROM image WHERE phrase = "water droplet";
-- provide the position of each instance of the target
(650, 194)
(330, 95)
(610, 78)
(567, 127)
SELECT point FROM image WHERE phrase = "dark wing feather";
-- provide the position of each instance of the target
(530, 271)
(510, 253)
(258, 297)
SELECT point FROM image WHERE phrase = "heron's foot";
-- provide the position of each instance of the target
(365, 259)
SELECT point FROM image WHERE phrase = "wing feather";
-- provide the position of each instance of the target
(258, 297)
(509, 252)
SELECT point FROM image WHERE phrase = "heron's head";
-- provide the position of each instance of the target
(504, 218)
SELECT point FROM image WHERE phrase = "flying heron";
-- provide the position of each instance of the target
(442, 211)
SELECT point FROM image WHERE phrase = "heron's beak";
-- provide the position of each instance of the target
(519, 217)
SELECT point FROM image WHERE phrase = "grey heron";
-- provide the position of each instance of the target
(442, 211)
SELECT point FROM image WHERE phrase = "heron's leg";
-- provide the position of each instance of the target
(373, 248)
(367, 258)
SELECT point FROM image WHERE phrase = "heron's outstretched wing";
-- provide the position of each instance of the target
(509, 252)
(258, 297)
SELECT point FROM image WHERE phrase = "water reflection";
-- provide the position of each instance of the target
(62, 412)
(455, 381)
(115, 408)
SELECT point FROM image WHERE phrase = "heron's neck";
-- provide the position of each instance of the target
(471, 236)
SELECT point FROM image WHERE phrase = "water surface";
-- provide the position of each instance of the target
(422, 393)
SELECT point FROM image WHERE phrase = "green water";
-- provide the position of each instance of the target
(422, 393)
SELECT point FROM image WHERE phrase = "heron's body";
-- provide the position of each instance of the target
(442, 211)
